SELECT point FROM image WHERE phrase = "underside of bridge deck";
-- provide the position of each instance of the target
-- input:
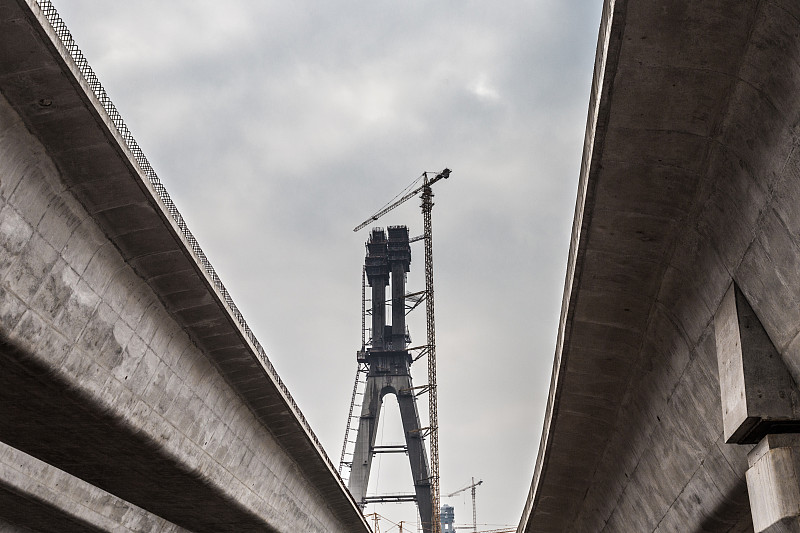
(125, 368)
(689, 182)
(54, 422)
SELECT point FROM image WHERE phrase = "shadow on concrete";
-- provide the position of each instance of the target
(43, 416)
(732, 515)
(37, 516)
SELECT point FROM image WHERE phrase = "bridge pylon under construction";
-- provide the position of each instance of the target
(388, 364)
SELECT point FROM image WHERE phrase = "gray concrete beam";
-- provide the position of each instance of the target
(46, 499)
(688, 182)
(92, 265)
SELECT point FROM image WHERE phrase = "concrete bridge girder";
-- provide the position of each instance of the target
(689, 182)
(46, 499)
(122, 366)
(81, 327)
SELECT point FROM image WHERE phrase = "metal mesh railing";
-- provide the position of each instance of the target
(60, 28)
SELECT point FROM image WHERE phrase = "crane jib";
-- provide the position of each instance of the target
(444, 174)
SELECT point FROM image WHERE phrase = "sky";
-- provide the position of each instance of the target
(279, 126)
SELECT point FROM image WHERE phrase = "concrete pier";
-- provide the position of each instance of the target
(773, 483)
(389, 372)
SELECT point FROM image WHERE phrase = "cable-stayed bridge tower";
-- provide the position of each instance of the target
(387, 357)
(387, 364)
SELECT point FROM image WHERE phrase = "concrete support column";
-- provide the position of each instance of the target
(398, 307)
(759, 405)
(377, 268)
(417, 455)
(399, 255)
(773, 484)
(378, 314)
(365, 439)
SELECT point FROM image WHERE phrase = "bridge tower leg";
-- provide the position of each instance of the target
(389, 371)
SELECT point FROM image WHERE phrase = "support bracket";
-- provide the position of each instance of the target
(759, 396)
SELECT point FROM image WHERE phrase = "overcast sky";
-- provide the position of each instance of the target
(277, 127)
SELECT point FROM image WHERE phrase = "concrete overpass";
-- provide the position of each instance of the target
(134, 396)
(673, 403)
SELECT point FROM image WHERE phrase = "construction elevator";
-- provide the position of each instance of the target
(387, 261)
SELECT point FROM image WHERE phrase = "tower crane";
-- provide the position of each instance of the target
(426, 195)
(474, 514)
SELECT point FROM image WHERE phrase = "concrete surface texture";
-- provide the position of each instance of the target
(123, 372)
(48, 499)
(758, 395)
(773, 482)
(689, 183)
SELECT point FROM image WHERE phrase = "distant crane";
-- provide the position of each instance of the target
(426, 195)
(474, 514)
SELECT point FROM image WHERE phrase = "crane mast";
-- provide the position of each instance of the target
(474, 513)
(426, 195)
(433, 415)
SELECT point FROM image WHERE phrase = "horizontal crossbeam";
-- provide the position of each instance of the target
(398, 448)
(390, 498)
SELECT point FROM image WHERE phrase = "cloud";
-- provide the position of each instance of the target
(484, 89)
